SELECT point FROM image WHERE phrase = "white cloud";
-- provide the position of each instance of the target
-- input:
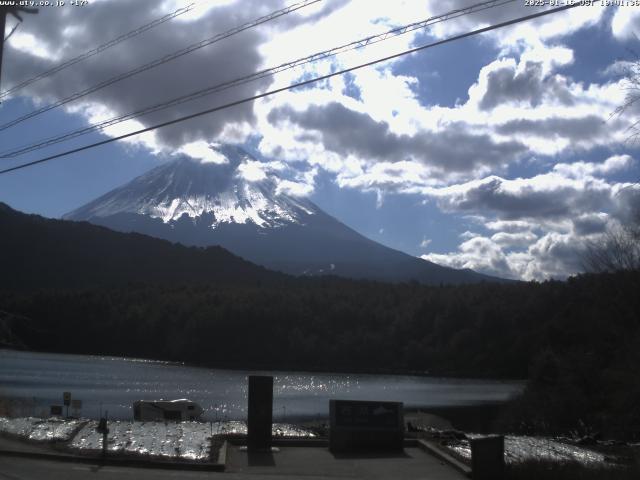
(521, 239)
(533, 32)
(625, 23)
(520, 107)
(202, 151)
(252, 171)
(295, 189)
(542, 223)
(509, 226)
(31, 44)
(478, 253)
(612, 164)
(554, 255)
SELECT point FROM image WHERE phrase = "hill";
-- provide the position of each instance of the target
(37, 252)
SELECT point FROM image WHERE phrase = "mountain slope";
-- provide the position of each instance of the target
(36, 252)
(205, 204)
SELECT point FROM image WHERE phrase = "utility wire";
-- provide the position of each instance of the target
(292, 86)
(15, 27)
(97, 50)
(162, 60)
(16, 151)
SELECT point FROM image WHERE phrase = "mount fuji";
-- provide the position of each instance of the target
(198, 203)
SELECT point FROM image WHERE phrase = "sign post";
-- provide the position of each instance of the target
(104, 430)
(363, 425)
(66, 397)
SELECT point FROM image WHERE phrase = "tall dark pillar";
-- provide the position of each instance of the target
(260, 412)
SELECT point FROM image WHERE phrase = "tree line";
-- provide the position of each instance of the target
(578, 342)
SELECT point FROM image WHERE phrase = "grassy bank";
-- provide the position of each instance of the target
(481, 418)
(548, 470)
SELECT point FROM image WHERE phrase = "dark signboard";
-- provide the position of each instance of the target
(260, 415)
(367, 414)
(365, 426)
(56, 410)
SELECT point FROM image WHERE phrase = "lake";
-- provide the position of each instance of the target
(112, 384)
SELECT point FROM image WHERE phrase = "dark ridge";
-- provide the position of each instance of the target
(37, 252)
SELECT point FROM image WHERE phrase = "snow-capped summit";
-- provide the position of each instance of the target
(229, 199)
(232, 190)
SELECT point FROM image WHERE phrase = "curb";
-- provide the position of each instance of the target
(433, 449)
(222, 454)
(119, 461)
(282, 442)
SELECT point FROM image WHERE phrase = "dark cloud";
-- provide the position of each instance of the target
(528, 202)
(71, 31)
(327, 8)
(577, 129)
(506, 85)
(589, 224)
(345, 132)
(627, 207)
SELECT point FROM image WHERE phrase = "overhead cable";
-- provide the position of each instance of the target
(97, 50)
(318, 56)
(160, 61)
(290, 87)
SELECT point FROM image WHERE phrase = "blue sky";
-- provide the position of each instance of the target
(497, 152)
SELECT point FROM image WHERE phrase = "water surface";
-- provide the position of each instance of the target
(113, 383)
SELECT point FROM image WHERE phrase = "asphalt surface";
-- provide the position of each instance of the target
(287, 463)
(296, 462)
(34, 461)
(18, 468)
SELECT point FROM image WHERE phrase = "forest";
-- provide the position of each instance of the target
(577, 342)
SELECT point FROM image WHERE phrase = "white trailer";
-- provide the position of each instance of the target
(166, 410)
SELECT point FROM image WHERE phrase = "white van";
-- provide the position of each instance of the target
(166, 410)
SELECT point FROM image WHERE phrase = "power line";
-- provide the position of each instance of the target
(292, 86)
(361, 43)
(13, 30)
(162, 60)
(97, 50)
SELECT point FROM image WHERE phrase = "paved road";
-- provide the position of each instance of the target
(289, 463)
(16, 468)
(292, 462)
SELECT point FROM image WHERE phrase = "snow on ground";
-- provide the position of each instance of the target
(518, 449)
(288, 430)
(192, 440)
(184, 440)
(40, 429)
(277, 429)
